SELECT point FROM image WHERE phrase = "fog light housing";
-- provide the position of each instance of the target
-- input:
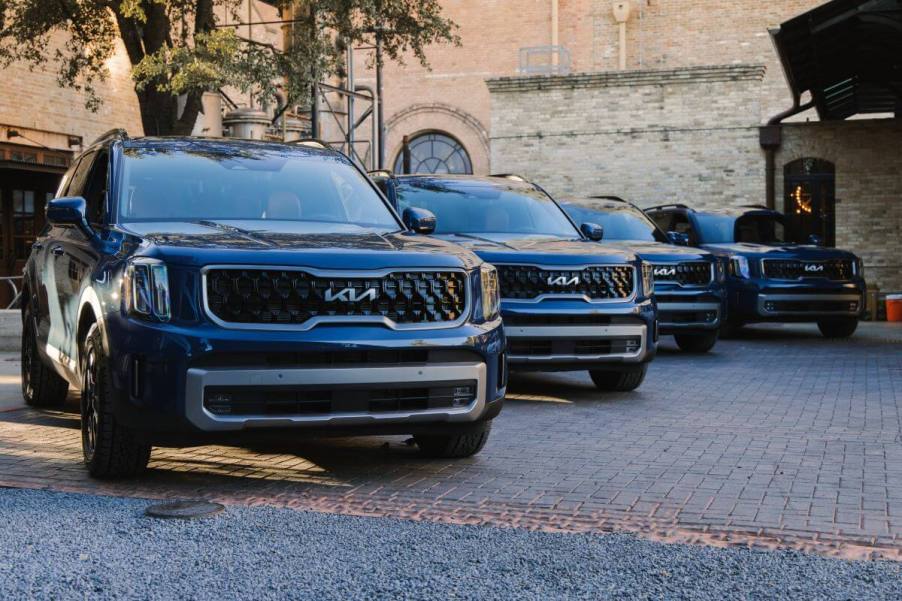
(462, 396)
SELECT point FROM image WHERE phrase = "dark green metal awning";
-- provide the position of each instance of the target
(847, 54)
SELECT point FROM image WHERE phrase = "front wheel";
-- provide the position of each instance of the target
(838, 327)
(696, 343)
(464, 443)
(110, 449)
(622, 380)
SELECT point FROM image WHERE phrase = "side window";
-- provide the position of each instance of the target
(66, 180)
(682, 225)
(80, 175)
(94, 190)
(662, 220)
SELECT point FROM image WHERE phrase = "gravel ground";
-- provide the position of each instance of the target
(64, 546)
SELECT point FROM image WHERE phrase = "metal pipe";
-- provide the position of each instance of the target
(351, 89)
(555, 24)
(380, 112)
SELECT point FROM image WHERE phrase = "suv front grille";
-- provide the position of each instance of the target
(598, 282)
(792, 269)
(277, 296)
(697, 273)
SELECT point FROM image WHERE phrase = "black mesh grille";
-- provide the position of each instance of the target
(293, 297)
(687, 274)
(596, 282)
(791, 269)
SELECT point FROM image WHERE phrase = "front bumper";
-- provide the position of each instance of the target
(558, 335)
(683, 311)
(163, 373)
(769, 300)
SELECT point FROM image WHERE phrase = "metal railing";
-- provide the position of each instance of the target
(544, 60)
(17, 294)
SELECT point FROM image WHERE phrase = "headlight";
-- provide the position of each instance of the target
(146, 288)
(489, 293)
(858, 267)
(648, 279)
(739, 266)
(720, 270)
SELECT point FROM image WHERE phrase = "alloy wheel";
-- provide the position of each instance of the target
(90, 412)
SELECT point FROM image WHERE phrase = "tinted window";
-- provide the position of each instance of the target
(95, 190)
(755, 229)
(468, 207)
(222, 182)
(80, 175)
(620, 222)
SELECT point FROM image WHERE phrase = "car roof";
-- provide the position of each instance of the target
(193, 144)
(486, 180)
(733, 211)
(608, 202)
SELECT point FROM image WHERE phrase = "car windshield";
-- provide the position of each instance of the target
(477, 207)
(226, 182)
(752, 228)
(620, 222)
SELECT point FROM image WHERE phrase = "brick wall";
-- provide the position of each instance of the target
(651, 136)
(868, 187)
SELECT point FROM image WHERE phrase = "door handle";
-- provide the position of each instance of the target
(57, 251)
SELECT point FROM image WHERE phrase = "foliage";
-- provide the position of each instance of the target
(181, 48)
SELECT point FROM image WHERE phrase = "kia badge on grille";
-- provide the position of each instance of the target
(350, 295)
(665, 271)
(814, 268)
(563, 280)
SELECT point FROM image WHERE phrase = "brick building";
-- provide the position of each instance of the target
(654, 100)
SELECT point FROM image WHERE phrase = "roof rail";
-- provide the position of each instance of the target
(674, 205)
(117, 134)
(510, 176)
(606, 197)
(765, 207)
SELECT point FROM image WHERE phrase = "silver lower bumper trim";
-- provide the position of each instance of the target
(583, 333)
(198, 379)
(690, 308)
(839, 298)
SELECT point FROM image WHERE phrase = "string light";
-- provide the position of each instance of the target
(802, 201)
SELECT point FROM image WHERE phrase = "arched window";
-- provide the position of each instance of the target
(435, 152)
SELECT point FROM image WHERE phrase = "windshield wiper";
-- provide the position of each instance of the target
(233, 230)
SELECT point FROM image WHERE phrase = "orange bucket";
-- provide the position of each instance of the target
(894, 307)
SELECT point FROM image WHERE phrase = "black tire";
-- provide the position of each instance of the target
(41, 385)
(110, 450)
(838, 327)
(623, 380)
(696, 343)
(457, 445)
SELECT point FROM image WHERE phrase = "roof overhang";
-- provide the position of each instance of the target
(847, 54)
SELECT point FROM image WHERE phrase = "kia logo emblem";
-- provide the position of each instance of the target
(812, 268)
(563, 280)
(350, 295)
(665, 271)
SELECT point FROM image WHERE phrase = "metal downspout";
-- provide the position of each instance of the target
(771, 137)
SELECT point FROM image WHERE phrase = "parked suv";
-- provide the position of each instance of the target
(198, 290)
(689, 282)
(567, 302)
(771, 276)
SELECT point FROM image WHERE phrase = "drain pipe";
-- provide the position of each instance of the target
(770, 137)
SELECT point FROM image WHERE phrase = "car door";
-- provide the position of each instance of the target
(61, 274)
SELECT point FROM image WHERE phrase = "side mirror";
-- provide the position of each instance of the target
(592, 231)
(815, 240)
(678, 238)
(70, 210)
(420, 221)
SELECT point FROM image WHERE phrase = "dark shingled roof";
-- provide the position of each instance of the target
(847, 54)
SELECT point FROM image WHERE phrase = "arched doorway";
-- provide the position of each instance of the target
(809, 199)
(435, 152)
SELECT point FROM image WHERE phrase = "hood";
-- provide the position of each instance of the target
(294, 243)
(779, 251)
(546, 250)
(659, 251)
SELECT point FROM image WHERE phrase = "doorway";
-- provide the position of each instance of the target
(809, 199)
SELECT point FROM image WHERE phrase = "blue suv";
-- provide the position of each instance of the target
(689, 282)
(216, 290)
(567, 302)
(773, 277)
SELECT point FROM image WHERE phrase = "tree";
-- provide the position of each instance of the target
(179, 48)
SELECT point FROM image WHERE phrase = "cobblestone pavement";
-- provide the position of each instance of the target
(777, 439)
